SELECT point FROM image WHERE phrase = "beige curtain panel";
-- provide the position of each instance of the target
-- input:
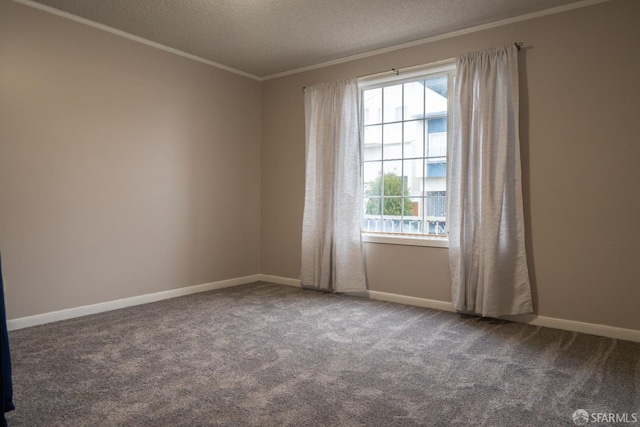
(331, 244)
(486, 221)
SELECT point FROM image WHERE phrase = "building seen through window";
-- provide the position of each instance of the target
(405, 155)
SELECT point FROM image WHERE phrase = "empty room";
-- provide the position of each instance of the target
(330, 213)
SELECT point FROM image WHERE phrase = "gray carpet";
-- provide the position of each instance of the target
(270, 355)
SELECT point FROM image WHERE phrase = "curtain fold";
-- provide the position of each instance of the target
(486, 222)
(331, 243)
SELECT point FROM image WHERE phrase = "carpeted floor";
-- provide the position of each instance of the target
(270, 355)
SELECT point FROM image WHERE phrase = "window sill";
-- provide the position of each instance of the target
(397, 239)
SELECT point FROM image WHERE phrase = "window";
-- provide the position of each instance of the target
(405, 122)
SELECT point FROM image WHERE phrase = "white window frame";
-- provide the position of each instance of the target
(405, 75)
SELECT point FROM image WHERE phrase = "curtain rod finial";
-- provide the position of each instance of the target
(519, 45)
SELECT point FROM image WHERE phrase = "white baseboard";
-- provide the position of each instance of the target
(531, 319)
(279, 280)
(54, 316)
(549, 322)
(403, 299)
(576, 326)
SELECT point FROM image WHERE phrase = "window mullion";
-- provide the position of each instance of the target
(403, 189)
(382, 168)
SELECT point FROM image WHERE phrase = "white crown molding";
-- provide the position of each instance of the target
(132, 37)
(58, 12)
(526, 17)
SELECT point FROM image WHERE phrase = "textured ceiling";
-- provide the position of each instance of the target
(267, 37)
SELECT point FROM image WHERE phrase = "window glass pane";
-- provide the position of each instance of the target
(438, 169)
(412, 220)
(436, 112)
(392, 100)
(435, 227)
(414, 173)
(393, 181)
(372, 222)
(372, 106)
(436, 205)
(436, 97)
(438, 85)
(394, 187)
(373, 206)
(392, 207)
(437, 125)
(413, 139)
(435, 183)
(436, 144)
(392, 139)
(391, 224)
(414, 100)
(372, 179)
(373, 142)
(411, 207)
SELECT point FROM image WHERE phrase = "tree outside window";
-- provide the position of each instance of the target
(395, 192)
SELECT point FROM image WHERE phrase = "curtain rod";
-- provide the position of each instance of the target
(518, 46)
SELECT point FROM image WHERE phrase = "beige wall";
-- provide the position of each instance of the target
(124, 169)
(580, 151)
